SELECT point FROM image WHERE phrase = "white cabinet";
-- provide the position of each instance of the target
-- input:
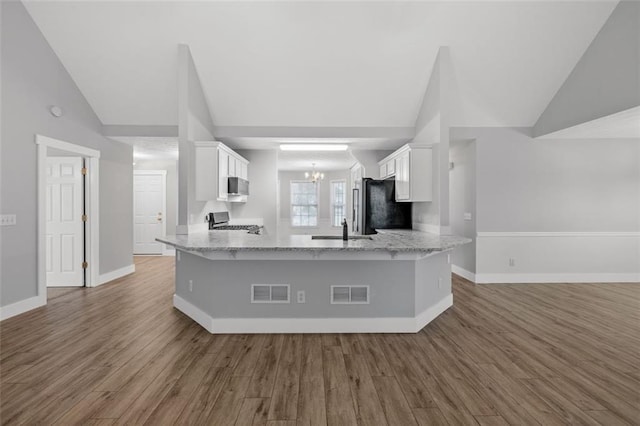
(402, 177)
(387, 169)
(223, 174)
(214, 164)
(413, 170)
(243, 172)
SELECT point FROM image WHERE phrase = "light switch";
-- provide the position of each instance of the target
(7, 220)
(467, 216)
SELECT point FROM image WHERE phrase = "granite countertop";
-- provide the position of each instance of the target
(404, 240)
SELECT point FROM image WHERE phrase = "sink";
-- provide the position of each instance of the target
(339, 237)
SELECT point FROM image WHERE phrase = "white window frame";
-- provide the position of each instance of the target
(344, 181)
(317, 184)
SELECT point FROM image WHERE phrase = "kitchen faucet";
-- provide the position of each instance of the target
(345, 230)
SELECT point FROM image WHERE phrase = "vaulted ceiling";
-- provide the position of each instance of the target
(319, 64)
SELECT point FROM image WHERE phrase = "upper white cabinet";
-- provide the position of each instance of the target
(215, 163)
(411, 166)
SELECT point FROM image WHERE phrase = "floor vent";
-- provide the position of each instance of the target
(270, 293)
(350, 294)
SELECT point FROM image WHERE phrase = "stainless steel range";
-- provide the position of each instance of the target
(219, 221)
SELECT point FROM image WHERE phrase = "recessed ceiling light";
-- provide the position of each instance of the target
(314, 147)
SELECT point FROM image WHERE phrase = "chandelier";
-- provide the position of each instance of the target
(314, 176)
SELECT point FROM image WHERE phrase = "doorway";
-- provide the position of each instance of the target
(65, 257)
(91, 205)
(149, 211)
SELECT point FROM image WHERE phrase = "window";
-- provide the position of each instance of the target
(338, 201)
(304, 203)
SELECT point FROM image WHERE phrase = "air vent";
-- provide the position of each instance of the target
(350, 294)
(269, 293)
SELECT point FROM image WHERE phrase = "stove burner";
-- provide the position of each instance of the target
(236, 228)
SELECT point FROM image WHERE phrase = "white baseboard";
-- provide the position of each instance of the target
(433, 312)
(463, 273)
(22, 306)
(556, 278)
(114, 275)
(311, 325)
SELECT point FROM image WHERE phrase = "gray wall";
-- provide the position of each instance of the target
(194, 124)
(222, 288)
(369, 160)
(171, 167)
(33, 79)
(555, 185)
(432, 127)
(462, 198)
(324, 213)
(263, 184)
(605, 80)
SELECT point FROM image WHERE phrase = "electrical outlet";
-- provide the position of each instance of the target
(301, 297)
(7, 220)
(178, 255)
(190, 285)
(467, 216)
(512, 261)
(449, 258)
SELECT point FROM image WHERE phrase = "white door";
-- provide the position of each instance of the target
(64, 226)
(148, 210)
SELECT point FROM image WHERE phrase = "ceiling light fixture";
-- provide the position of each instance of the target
(314, 147)
(314, 176)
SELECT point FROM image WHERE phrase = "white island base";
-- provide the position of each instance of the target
(406, 291)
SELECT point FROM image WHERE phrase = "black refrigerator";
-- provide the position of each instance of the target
(375, 207)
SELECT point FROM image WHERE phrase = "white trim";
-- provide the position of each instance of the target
(22, 306)
(317, 184)
(463, 273)
(332, 201)
(193, 312)
(93, 212)
(431, 313)
(558, 234)
(557, 278)
(92, 197)
(312, 325)
(66, 146)
(114, 275)
(162, 173)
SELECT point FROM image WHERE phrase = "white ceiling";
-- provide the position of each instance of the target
(320, 64)
(324, 161)
(151, 148)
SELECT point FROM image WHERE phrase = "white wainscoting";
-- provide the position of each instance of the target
(547, 257)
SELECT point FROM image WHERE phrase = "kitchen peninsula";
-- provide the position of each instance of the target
(234, 282)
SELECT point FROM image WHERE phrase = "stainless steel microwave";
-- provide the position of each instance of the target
(238, 186)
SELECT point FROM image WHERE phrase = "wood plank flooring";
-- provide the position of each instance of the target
(504, 354)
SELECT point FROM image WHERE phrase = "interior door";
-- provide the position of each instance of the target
(64, 226)
(148, 211)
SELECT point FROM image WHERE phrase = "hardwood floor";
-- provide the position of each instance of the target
(504, 354)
